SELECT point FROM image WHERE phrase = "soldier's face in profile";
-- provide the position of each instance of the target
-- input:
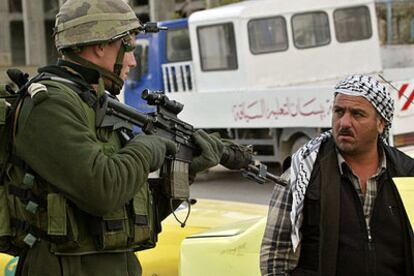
(129, 61)
(111, 53)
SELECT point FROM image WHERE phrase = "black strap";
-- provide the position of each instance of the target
(155, 183)
(37, 232)
(26, 195)
(97, 226)
(3, 171)
(114, 225)
(86, 95)
(17, 161)
(11, 117)
(141, 220)
(83, 91)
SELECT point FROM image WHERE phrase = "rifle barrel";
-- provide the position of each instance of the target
(129, 113)
(269, 176)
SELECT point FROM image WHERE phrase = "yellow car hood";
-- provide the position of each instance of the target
(163, 260)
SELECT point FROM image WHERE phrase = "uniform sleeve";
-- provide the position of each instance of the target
(57, 142)
(276, 254)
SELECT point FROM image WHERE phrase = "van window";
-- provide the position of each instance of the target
(217, 47)
(310, 29)
(352, 24)
(267, 35)
(178, 45)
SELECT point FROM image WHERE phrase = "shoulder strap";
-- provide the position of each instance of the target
(84, 92)
(13, 115)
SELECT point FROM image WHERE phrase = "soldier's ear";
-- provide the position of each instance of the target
(92, 52)
(98, 50)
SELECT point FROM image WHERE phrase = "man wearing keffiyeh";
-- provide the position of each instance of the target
(341, 213)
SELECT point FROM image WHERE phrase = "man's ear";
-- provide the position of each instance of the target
(380, 125)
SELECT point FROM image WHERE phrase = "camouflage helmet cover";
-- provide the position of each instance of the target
(86, 22)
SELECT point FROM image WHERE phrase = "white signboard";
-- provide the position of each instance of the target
(282, 107)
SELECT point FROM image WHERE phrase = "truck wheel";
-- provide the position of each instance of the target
(299, 142)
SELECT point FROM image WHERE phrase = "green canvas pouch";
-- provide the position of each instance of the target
(142, 216)
(115, 228)
(56, 212)
(5, 230)
(3, 111)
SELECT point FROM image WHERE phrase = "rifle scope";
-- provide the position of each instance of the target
(160, 99)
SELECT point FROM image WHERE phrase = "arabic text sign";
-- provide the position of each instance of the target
(288, 107)
(282, 107)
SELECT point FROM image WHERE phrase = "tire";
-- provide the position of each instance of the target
(298, 143)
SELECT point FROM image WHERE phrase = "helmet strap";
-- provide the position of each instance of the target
(101, 87)
(118, 67)
(113, 77)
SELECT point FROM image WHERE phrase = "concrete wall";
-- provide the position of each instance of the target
(402, 17)
(397, 56)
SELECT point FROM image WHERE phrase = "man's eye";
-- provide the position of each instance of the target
(358, 114)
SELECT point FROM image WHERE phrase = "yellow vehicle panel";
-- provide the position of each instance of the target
(164, 259)
(232, 250)
(405, 186)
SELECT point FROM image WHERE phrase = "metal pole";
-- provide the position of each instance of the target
(5, 41)
(161, 10)
(34, 32)
(389, 22)
(212, 3)
(412, 29)
(61, 2)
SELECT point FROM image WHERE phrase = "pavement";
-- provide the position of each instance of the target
(223, 184)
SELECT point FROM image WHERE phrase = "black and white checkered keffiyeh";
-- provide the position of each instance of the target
(372, 90)
(304, 159)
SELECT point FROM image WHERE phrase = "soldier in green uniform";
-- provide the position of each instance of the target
(80, 203)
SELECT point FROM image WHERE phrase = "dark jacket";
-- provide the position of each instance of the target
(335, 239)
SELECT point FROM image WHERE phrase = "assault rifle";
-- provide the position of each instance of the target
(164, 122)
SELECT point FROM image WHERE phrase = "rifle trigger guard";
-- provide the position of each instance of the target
(148, 128)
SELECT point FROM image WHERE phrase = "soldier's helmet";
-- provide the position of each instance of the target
(87, 22)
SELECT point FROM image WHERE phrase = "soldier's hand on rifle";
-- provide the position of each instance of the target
(158, 146)
(211, 151)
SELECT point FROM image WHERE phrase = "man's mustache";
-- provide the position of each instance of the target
(346, 132)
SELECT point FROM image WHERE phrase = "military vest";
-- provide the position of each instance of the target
(32, 209)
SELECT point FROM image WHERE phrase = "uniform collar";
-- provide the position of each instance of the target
(91, 76)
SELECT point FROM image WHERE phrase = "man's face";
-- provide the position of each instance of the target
(355, 124)
(111, 52)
